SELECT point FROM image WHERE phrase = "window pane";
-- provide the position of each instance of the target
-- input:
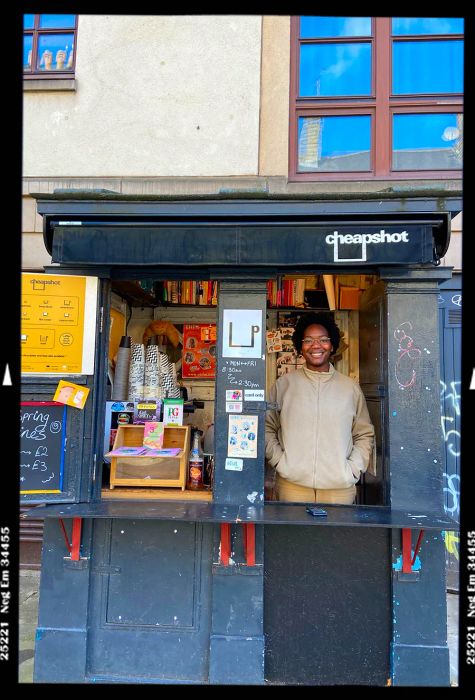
(28, 21)
(334, 26)
(335, 69)
(439, 67)
(334, 144)
(427, 141)
(57, 21)
(427, 25)
(27, 44)
(55, 52)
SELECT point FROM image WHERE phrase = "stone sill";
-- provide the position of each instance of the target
(60, 85)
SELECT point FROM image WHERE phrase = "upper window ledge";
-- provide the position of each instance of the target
(56, 85)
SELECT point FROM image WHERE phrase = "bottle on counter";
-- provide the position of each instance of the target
(195, 463)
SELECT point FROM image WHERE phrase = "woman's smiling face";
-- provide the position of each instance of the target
(316, 348)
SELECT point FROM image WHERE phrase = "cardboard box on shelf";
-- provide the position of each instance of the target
(349, 298)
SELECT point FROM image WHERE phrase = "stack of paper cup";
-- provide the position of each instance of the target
(152, 379)
(136, 372)
(168, 385)
(121, 377)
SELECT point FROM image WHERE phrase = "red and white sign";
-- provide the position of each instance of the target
(199, 351)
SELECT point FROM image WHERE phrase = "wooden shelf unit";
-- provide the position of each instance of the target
(127, 493)
(143, 470)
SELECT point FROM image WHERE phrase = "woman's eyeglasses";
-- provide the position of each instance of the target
(324, 340)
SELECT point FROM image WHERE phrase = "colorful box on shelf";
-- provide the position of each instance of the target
(117, 413)
(148, 409)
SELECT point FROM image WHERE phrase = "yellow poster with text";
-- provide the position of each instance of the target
(57, 323)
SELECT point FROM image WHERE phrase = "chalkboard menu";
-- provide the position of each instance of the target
(42, 443)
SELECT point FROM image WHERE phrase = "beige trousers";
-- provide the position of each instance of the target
(290, 492)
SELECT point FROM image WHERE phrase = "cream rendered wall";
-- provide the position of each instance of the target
(274, 126)
(453, 257)
(156, 96)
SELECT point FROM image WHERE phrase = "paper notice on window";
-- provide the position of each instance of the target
(242, 436)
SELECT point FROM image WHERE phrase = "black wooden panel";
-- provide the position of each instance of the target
(374, 487)
(136, 596)
(327, 616)
(60, 644)
(240, 303)
(420, 655)
(149, 616)
(371, 333)
(372, 351)
(414, 435)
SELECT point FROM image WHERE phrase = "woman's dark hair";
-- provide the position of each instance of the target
(310, 319)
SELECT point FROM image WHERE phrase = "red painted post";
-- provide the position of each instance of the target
(76, 539)
(406, 550)
(225, 543)
(250, 543)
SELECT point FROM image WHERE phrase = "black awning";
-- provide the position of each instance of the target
(88, 229)
(349, 244)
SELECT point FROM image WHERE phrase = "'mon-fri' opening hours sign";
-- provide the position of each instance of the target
(58, 322)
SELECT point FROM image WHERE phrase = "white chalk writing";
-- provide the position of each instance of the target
(408, 354)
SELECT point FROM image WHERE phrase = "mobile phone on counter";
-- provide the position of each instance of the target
(314, 510)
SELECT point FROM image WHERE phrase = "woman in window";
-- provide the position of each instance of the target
(321, 439)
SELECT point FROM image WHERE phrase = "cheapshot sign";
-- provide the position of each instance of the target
(346, 244)
(358, 247)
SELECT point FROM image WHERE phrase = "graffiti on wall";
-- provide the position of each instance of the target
(450, 401)
(449, 420)
(450, 426)
(452, 542)
(449, 415)
(408, 354)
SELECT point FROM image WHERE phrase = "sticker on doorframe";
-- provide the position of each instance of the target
(234, 465)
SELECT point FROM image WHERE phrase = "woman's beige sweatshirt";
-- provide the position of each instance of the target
(322, 436)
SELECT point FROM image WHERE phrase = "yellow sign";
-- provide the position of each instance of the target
(58, 317)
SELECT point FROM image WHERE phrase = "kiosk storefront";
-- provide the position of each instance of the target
(225, 586)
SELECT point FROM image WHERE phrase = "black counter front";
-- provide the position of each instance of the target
(267, 514)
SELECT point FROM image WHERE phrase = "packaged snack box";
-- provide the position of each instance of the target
(173, 411)
(149, 410)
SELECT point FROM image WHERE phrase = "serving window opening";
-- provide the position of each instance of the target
(159, 413)
(162, 369)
